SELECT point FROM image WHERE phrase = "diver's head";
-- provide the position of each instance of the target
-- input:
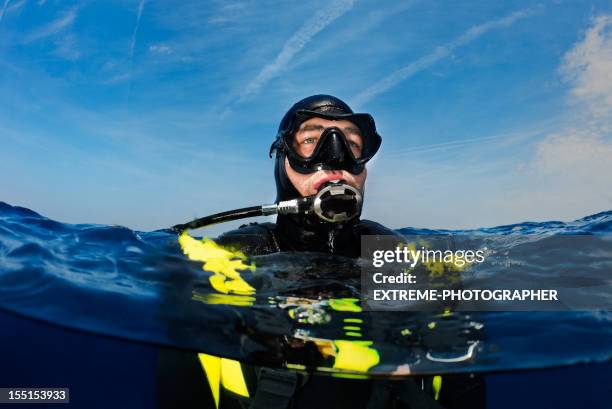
(320, 139)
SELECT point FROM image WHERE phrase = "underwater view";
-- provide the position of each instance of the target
(300, 311)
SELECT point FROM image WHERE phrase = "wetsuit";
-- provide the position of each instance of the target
(182, 381)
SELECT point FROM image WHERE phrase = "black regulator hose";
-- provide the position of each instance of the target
(222, 217)
(335, 203)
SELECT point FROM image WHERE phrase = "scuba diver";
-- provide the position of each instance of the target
(320, 143)
(320, 151)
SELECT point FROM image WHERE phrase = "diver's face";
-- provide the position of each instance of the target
(306, 139)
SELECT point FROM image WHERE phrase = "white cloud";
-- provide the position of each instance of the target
(577, 154)
(121, 77)
(436, 55)
(228, 12)
(160, 49)
(16, 6)
(575, 169)
(66, 47)
(59, 32)
(53, 28)
(6, 8)
(588, 67)
(3, 10)
(319, 21)
(568, 178)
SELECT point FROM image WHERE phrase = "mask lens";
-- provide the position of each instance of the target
(355, 140)
(308, 136)
(306, 139)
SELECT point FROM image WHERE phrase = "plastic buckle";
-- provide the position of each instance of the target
(275, 388)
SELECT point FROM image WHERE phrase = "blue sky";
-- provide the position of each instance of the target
(149, 113)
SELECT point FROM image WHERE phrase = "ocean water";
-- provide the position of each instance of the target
(140, 287)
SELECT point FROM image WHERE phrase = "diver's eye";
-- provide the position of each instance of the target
(355, 148)
(306, 145)
(309, 140)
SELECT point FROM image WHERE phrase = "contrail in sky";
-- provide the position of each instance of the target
(6, 3)
(436, 55)
(298, 40)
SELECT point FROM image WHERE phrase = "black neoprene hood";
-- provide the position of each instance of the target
(317, 104)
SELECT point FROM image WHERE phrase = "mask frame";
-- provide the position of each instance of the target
(329, 155)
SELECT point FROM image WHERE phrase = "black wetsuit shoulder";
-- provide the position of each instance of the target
(252, 239)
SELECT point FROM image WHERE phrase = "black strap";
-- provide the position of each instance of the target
(275, 389)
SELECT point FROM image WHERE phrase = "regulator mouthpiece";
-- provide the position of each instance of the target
(335, 203)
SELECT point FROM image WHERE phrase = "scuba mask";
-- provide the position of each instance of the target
(312, 147)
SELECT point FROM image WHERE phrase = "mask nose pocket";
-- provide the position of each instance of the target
(333, 151)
